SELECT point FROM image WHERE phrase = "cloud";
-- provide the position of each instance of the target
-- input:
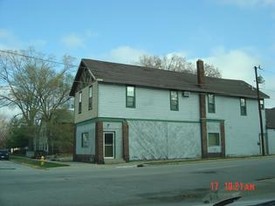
(268, 86)
(8, 40)
(178, 53)
(130, 55)
(125, 54)
(239, 64)
(248, 3)
(37, 43)
(4, 33)
(234, 64)
(8, 112)
(73, 41)
(76, 40)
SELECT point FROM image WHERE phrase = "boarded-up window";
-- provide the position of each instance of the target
(213, 139)
(84, 139)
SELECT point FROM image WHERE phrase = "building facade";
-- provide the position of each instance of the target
(126, 112)
(270, 130)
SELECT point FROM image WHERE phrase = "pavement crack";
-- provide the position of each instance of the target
(265, 178)
(205, 172)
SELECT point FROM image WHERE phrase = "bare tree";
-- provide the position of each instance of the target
(212, 71)
(34, 85)
(4, 131)
(173, 63)
(176, 63)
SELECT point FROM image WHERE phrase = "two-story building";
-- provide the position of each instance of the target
(127, 112)
(270, 130)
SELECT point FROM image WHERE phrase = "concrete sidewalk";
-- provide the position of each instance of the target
(147, 163)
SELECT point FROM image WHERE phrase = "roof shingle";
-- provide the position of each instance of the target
(109, 72)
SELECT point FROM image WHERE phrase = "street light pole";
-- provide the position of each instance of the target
(260, 109)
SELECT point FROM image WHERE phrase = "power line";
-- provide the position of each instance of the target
(270, 90)
(269, 71)
(77, 66)
(37, 58)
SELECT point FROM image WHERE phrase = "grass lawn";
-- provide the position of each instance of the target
(36, 163)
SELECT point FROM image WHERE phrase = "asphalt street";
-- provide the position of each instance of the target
(187, 183)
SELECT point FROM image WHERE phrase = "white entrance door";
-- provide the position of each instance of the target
(109, 145)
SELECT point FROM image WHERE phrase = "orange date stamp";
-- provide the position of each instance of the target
(232, 186)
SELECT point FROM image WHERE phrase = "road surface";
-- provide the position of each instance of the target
(181, 184)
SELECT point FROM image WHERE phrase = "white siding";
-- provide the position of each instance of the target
(150, 104)
(90, 128)
(86, 114)
(271, 140)
(241, 132)
(156, 132)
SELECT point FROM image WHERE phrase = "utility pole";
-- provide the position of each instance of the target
(260, 110)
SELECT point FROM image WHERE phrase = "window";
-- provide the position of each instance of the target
(130, 96)
(213, 139)
(262, 104)
(90, 103)
(174, 101)
(243, 106)
(85, 140)
(80, 102)
(211, 103)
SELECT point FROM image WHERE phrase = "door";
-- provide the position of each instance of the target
(109, 145)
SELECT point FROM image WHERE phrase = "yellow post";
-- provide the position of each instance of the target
(42, 160)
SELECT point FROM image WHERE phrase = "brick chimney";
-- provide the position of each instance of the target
(200, 73)
(202, 107)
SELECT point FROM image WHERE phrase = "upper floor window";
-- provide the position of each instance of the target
(90, 103)
(80, 102)
(174, 101)
(262, 104)
(243, 106)
(211, 103)
(130, 96)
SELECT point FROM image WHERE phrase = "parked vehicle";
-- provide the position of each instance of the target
(4, 154)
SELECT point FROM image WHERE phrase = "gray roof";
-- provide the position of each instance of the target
(108, 72)
(270, 118)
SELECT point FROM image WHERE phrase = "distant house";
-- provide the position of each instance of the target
(270, 130)
(56, 136)
(127, 112)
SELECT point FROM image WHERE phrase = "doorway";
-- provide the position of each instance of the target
(109, 145)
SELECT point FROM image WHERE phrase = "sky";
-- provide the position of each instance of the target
(233, 35)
